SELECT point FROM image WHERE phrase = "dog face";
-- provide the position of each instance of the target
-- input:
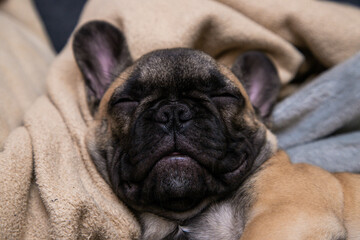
(173, 131)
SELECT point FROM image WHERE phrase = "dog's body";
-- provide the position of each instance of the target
(177, 138)
(280, 201)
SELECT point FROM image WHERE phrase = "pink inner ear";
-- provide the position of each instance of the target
(256, 88)
(104, 56)
(105, 61)
(257, 95)
(255, 91)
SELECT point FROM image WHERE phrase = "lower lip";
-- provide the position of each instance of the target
(176, 157)
(179, 163)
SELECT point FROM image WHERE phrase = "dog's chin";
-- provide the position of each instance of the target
(176, 183)
(178, 187)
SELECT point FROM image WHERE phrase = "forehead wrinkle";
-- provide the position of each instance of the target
(174, 67)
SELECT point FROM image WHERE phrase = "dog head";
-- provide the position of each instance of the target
(174, 130)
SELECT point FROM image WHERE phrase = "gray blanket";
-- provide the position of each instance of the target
(320, 124)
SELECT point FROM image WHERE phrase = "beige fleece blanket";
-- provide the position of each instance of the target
(49, 187)
(25, 56)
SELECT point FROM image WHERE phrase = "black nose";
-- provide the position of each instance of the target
(173, 113)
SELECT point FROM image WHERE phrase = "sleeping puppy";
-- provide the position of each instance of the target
(181, 140)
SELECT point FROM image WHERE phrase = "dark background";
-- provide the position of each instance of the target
(61, 16)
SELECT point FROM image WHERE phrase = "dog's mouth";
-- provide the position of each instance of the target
(177, 182)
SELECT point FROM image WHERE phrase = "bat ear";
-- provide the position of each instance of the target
(101, 53)
(259, 76)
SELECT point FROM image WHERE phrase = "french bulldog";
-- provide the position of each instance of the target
(182, 141)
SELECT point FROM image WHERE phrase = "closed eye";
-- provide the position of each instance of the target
(125, 104)
(224, 95)
(226, 98)
(121, 102)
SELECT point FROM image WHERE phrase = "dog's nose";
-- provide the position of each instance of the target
(173, 113)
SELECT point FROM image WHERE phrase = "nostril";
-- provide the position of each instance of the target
(163, 117)
(184, 115)
(164, 114)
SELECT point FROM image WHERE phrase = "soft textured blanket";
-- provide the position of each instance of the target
(320, 124)
(25, 56)
(49, 187)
